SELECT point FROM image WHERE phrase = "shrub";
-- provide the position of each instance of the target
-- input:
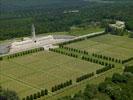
(38, 94)
(46, 92)
(31, 97)
(23, 99)
(42, 92)
(35, 96)
(27, 98)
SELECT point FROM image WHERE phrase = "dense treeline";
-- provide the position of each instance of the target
(48, 16)
(119, 87)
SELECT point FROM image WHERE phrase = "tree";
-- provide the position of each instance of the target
(6, 94)
(90, 92)
(27, 98)
(35, 96)
(31, 97)
(117, 78)
(38, 94)
(46, 92)
(42, 92)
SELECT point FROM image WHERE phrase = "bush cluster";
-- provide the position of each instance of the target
(104, 69)
(24, 53)
(86, 76)
(61, 86)
(64, 53)
(106, 58)
(36, 95)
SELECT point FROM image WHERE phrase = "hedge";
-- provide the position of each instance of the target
(61, 86)
(104, 69)
(36, 95)
(24, 53)
(64, 53)
(86, 76)
(97, 61)
(107, 58)
(127, 60)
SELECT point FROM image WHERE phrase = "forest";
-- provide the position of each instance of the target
(58, 15)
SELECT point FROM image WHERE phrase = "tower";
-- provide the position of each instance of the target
(33, 33)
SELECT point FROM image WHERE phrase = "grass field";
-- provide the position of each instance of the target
(31, 73)
(108, 45)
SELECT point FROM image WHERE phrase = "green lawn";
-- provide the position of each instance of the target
(29, 74)
(108, 45)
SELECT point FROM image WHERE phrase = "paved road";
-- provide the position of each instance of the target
(90, 34)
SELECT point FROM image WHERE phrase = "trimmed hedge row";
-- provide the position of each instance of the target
(104, 69)
(24, 53)
(127, 60)
(97, 61)
(106, 58)
(61, 86)
(86, 76)
(75, 50)
(64, 53)
(80, 39)
(36, 95)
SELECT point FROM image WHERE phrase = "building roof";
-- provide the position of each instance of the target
(118, 24)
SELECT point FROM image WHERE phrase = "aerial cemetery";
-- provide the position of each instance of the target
(42, 66)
